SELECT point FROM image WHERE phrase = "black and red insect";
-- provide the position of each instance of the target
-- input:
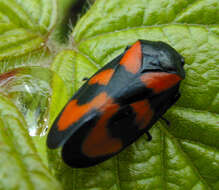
(118, 104)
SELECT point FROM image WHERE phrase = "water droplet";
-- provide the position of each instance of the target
(30, 88)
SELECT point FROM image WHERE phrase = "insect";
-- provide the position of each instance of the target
(118, 104)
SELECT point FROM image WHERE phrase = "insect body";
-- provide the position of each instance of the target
(118, 104)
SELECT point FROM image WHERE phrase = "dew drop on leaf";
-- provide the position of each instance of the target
(30, 88)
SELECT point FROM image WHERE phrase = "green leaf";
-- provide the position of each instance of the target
(21, 167)
(25, 25)
(72, 67)
(30, 89)
(184, 156)
(116, 15)
(62, 28)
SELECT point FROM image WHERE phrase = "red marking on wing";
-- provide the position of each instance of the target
(132, 58)
(73, 112)
(144, 113)
(102, 78)
(99, 142)
(160, 81)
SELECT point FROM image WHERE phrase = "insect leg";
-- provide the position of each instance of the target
(177, 96)
(85, 79)
(127, 48)
(165, 120)
(149, 136)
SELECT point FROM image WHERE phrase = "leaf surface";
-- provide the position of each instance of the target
(25, 25)
(21, 167)
(183, 156)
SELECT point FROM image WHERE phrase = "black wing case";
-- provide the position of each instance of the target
(84, 95)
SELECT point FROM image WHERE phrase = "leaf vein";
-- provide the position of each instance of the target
(117, 172)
